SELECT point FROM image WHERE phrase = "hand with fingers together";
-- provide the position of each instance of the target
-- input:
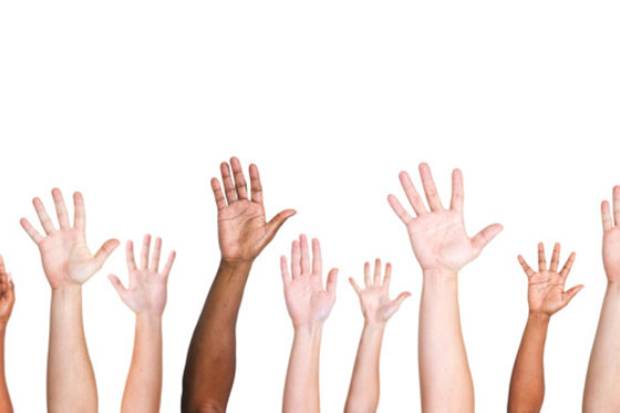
(7, 300)
(546, 296)
(146, 296)
(309, 305)
(377, 308)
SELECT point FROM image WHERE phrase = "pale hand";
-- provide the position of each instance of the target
(66, 258)
(7, 294)
(308, 303)
(611, 237)
(146, 292)
(243, 230)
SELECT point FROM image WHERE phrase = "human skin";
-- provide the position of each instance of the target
(377, 308)
(602, 389)
(7, 299)
(442, 248)
(308, 304)
(545, 297)
(146, 297)
(68, 263)
(243, 232)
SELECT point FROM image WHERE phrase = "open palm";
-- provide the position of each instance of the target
(65, 255)
(306, 299)
(7, 294)
(438, 235)
(546, 292)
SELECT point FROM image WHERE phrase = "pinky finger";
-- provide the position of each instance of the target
(354, 285)
(33, 233)
(399, 209)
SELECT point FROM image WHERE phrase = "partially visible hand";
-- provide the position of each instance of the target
(146, 293)
(64, 253)
(546, 293)
(611, 237)
(243, 231)
(438, 236)
(375, 296)
(7, 294)
(307, 301)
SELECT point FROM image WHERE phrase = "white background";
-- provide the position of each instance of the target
(135, 103)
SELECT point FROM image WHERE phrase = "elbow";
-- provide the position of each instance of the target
(201, 407)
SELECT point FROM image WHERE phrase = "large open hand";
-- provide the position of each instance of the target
(306, 299)
(545, 294)
(64, 253)
(375, 296)
(611, 237)
(243, 231)
(438, 236)
(146, 293)
(7, 294)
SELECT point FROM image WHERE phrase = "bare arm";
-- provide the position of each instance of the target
(546, 296)
(243, 232)
(377, 309)
(68, 263)
(146, 297)
(7, 299)
(442, 247)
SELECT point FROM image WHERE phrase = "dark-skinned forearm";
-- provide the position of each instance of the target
(527, 385)
(210, 367)
(5, 398)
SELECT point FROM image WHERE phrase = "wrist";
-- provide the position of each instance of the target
(308, 329)
(539, 317)
(439, 277)
(235, 264)
(67, 290)
(149, 319)
(375, 326)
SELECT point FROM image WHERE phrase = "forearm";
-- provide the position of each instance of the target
(70, 378)
(143, 388)
(445, 379)
(301, 390)
(210, 367)
(5, 398)
(364, 391)
(602, 390)
(527, 385)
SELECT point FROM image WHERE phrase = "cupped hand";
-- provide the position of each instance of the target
(7, 294)
(377, 306)
(146, 292)
(438, 236)
(64, 253)
(243, 230)
(546, 294)
(307, 301)
(611, 237)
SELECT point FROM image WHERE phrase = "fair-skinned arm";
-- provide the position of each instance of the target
(68, 263)
(7, 299)
(243, 232)
(308, 304)
(377, 308)
(602, 389)
(545, 296)
(145, 295)
(442, 247)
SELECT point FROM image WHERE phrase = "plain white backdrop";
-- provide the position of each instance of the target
(135, 103)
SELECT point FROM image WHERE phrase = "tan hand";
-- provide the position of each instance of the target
(7, 294)
(375, 296)
(64, 253)
(306, 299)
(438, 236)
(611, 237)
(243, 231)
(546, 293)
(146, 293)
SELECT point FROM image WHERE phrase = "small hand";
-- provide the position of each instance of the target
(146, 293)
(243, 231)
(7, 294)
(611, 237)
(64, 253)
(546, 293)
(375, 297)
(306, 299)
(438, 236)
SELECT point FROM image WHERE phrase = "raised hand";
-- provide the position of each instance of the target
(146, 292)
(7, 294)
(377, 306)
(243, 231)
(438, 235)
(306, 299)
(611, 237)
(546, 294)
(64, 253)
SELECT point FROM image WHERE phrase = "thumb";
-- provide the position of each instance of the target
(276, 222)
(104, 252)
(395, 304)
(481, 239)
(571, 293)
(118, 286)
